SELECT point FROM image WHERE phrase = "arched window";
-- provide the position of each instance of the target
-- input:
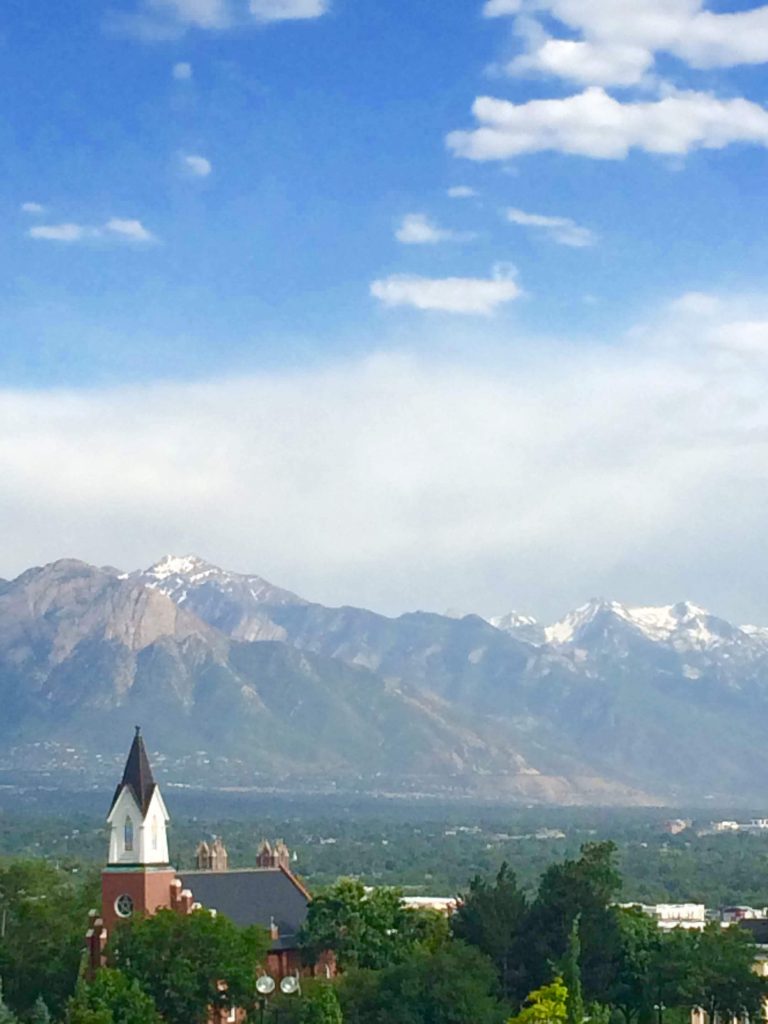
(128, 835)
(155, 829)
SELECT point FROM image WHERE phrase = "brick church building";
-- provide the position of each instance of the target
(139, 880)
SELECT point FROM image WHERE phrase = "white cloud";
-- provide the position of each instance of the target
(154, 20)
(63, 232)
(418, 229)
(501, 8)
(32, 208)
(209, 14)
(585, 63)
(199, 166)
(115, 229)
(635, 470)
(696, 304)
(619, 38)
(562, 230)
(465, 295)
(288, 10)
(130, 230)
(595, 124)
(182, 71)
(461, 192)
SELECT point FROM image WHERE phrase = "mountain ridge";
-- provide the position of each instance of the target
(614, 704)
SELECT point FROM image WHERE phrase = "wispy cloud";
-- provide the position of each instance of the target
(63, 232)
(182, 71)
(288, 10)
(418, 229)
(562, 230)
(33, 208)
(130, 230)
(596, 125)
(116, 229)
(156, 20)
(198, 166)
(463, 295)
(461, 192)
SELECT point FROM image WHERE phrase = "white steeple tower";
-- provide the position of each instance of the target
(138, 818)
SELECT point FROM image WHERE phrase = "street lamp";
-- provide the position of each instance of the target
(660, 1008)
(265, 986)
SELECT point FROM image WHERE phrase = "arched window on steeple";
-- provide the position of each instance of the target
(128, 834)
(155, 831)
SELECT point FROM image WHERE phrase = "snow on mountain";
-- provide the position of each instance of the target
(682, 627)
(177, 575)
(523, 627)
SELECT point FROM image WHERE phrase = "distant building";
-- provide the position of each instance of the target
(674, 915)
(138, 879)
(675, 826)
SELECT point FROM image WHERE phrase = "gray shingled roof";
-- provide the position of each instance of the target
(137, 775)
(251, 896)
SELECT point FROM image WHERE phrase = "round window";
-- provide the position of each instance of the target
(124, 905)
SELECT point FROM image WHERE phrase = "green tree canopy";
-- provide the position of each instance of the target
(111, 998)
(40, 1012)
(456, 985)
(493, 917)
(723, 978)
(46, 914)
(545, 1005)
(585, 888)
(6, 1015)
(366, 929)
(571, 975)
(321, 1007)
(188, 963)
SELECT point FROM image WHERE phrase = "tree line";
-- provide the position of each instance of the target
(568, 953)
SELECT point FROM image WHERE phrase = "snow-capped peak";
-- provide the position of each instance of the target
(179, 576)
(522, 627)
(564, 631)
(180, 565)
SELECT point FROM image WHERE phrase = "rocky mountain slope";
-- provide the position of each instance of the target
(612, 704)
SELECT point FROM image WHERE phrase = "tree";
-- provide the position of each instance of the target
(366, 929)
(571, 975)
(723, 979)
(636, 982)
(322, 1007)
(545, 1005)
(45, 913)
(111, 998)
(456, 985)
(6, 1016)
(40, 1012)
(493, 918)
(586, 887)
(189, 963)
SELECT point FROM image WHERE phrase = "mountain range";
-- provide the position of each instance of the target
(240, 683)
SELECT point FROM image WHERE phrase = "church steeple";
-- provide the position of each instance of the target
(137, 774)
(138, 817)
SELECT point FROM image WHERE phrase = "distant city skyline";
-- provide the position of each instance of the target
(398, 305)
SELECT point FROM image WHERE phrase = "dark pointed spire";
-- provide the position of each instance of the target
(138, 774)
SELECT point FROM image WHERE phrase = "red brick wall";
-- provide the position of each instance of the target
(150, 890)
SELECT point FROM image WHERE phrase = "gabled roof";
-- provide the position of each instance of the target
(253, 896)
(137, 775)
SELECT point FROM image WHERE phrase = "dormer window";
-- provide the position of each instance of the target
(128, 834)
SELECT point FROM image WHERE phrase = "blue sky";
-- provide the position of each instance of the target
(217, 195)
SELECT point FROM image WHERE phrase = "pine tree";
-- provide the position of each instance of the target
(6, 1016)
(571, 972)
(322, 1007)
(40, 1012)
